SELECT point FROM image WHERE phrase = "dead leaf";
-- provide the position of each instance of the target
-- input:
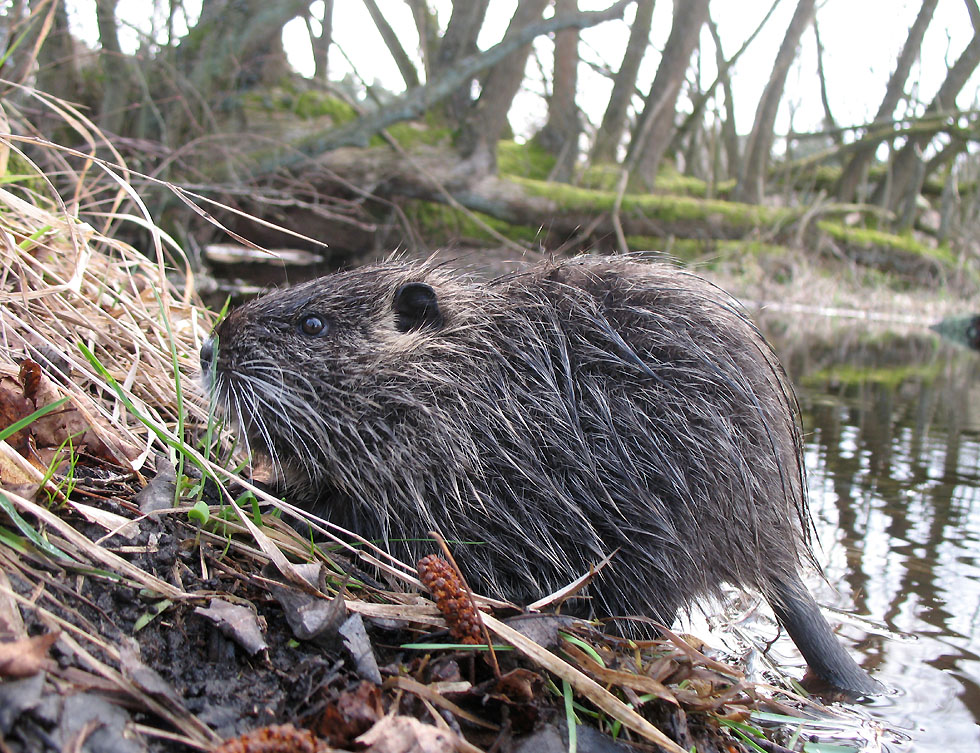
(403, 734)
(16, 472)
(352, 714)
(239, 623)
(631, 680)
(27, 656)
(543, 629)
(11, 622)
(13, 407)
(521, 685)
(310, 615)
(356, 641)
(160, 492)
(30, 377)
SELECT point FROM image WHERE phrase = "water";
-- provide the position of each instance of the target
(893, 453)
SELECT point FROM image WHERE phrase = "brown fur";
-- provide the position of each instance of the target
(550, 418)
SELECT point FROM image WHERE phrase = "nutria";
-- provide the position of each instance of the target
(542, 421)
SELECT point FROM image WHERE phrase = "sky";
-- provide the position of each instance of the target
(861, 39)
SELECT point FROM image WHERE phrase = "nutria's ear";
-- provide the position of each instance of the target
(416, 306)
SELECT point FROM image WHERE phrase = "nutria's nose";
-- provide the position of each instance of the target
(207, 355)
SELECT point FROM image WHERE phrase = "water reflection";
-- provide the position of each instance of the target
(893, 452)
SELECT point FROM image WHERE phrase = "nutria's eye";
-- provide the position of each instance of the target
(416, 306)
(313, 325)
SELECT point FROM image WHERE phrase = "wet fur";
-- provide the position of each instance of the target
(555, 416)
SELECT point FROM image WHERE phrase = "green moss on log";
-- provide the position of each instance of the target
(867, 238)
(528, 160)
(314, 104)
(441, 224)
(306, 104)
(664, 207)
(888, 376)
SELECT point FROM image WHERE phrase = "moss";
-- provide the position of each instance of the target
(307, 104)
(665, 208)
(703, 250)
(313, 104)
(442, 224)
(605, 176)
(669, 180)
(869, 237)
(524, 160)
(411, 133)
(889, 376)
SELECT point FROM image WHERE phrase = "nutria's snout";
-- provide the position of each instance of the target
(207, 355)
(543, 422)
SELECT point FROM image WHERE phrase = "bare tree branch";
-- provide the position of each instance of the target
(906, 175)
(828, 116)
(398, 54)
(851, 175)
(759, 148)
(414, 102)
(624, 85)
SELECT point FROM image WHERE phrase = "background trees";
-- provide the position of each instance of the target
(656, 159)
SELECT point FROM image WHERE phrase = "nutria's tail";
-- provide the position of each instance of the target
(800, 615)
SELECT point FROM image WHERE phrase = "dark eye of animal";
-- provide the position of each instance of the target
(313, 325)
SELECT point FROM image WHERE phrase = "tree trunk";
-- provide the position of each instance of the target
(756, 160)
(57, 72)
(116, 92)
(906, 173)
(409, 75)
(729, 136)
(656, 124)
(614, 119)
(236, 44)
(855, 168)
(427, 25)
(459, 42)
(560, 134)
(321, 43)
(487, 117)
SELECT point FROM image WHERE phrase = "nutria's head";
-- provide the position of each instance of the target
(307, 373)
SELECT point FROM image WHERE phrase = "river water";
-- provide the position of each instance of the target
(892, 426)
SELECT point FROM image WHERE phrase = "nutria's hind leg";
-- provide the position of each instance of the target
(799, 614)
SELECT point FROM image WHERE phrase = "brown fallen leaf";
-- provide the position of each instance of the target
(404, 734)
(238, 623)
(521, 685)
(26, 656)
(353, 713)
(13, 407)
(24, 390)
(30, 377)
